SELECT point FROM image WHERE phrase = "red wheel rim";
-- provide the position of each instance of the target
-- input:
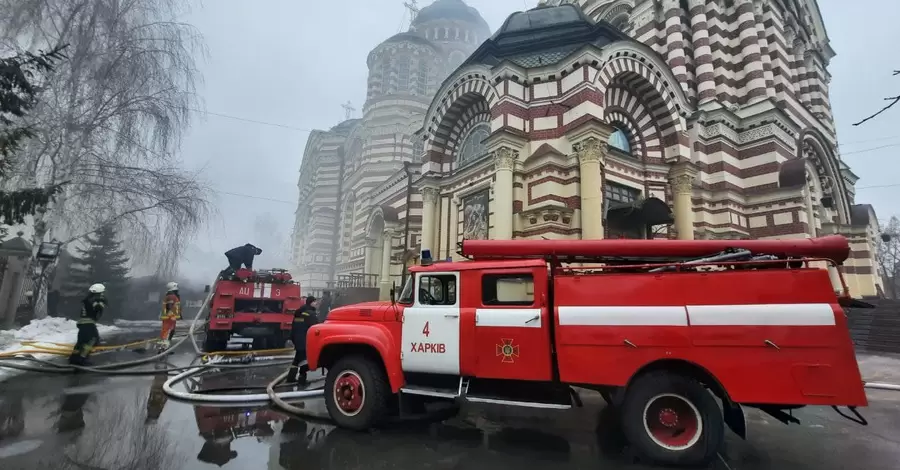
(672, 421)
(349, 393)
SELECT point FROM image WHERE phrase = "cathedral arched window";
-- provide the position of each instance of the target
(386, 75)
(473, 145)
(619, 141)
(403, 74)
(422, 79)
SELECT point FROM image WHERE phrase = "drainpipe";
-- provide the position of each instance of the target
(407, 167)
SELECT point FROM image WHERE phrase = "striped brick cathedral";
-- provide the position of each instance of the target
(613, 118)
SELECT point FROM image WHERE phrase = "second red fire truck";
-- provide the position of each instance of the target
(661, 328)
(258, 305)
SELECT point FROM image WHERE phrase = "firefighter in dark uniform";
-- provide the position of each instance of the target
(304, 318)
(242, 255)
(92, 308)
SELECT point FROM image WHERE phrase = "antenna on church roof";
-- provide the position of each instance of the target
(348, 109)
(413, 7)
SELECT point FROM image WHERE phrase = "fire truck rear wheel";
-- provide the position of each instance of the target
(672, 420)
(356, 393)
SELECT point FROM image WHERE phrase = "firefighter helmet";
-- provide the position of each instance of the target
(172, 286)
(97, 289)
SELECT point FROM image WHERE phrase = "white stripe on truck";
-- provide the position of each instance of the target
(622, 316)
(762, 315)
(818, 314)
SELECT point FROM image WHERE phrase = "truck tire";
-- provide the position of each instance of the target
(672, 420)
(213, 343)
(356, 393)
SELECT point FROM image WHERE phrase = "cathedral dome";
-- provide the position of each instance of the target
(442, 10)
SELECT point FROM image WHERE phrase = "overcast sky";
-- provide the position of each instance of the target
(292, 63)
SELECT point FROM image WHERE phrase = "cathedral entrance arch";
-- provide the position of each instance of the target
(639, 85)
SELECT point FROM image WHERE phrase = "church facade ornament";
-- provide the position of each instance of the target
(430, 194)
(505, 158)
(591, 150)
(682, 184)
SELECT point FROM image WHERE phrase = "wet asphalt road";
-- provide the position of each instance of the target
(94, 422)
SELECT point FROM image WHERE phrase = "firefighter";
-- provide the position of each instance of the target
(92, 307)
(304, 318)
(171, 312)
(242, 255)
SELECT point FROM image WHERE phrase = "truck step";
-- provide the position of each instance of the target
(430, 391)
(520, 393)
(433, 385)
(523, 404)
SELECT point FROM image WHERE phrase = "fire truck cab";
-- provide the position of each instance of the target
(659, 327)
(252, 304)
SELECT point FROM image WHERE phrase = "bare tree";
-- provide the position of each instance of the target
(888, 257)
(892, 101)
(111, 120)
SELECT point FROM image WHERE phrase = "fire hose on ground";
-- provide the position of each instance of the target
(213, 361)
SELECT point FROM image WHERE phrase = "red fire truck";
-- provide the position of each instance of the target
(653, 325)
(252, 304)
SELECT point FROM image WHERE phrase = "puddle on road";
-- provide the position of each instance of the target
(19, 448)
(104, 423)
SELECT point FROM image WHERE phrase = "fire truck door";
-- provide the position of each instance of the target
(512, 338)
(431, 326)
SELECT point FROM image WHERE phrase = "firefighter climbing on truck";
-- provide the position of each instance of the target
(659, 327)
(242, 255)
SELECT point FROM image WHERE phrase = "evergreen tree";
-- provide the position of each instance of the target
(103, 261)
(18, 95)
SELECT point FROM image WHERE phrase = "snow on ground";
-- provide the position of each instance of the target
(45, 331)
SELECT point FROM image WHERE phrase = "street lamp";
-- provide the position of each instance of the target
(48, 251)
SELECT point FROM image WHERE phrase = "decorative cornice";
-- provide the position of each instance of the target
(548, 214)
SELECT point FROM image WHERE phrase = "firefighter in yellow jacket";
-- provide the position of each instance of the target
(171, 312)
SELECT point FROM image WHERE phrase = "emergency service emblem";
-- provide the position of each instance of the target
(508, 351)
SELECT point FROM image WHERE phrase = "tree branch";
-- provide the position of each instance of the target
(894, 100)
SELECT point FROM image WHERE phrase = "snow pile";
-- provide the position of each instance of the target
(45, 331)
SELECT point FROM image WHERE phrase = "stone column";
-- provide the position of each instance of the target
(676, 57)
(681, 178)
(386, 252)
(755, 87)
(504, 161)
(453, 228)
(703, 66)
(369, 267)
(430, 196)
(591, 157)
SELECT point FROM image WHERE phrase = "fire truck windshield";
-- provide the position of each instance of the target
(406, 295)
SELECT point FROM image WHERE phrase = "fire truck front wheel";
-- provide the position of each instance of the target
(356, 392)
(672, 420)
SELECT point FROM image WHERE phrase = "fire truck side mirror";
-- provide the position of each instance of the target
(393, 293)
(206, 289)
